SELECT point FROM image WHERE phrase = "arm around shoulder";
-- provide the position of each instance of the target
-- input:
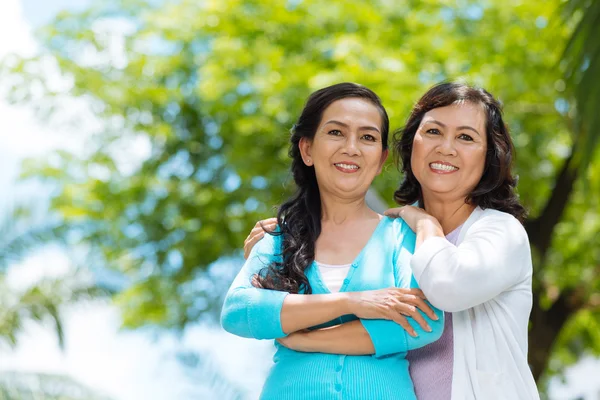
(493, 257)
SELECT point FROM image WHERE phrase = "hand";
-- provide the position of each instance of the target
(393, 304)
(413, 216)
(257, 233)
(296, 341)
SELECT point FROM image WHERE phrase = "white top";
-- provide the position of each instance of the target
(485, 281)
(333, 275)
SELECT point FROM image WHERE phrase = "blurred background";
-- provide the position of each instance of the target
(140, 140)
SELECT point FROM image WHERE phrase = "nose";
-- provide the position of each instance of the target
(351, 147)
(446, 147)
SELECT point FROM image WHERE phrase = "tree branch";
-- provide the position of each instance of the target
(540, 229)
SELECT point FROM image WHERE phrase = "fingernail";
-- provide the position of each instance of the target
(429, 328)
(435, 317)
(415, 334)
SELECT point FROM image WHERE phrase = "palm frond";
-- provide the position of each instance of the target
(41, 303)
(582, 60)
(21, 234)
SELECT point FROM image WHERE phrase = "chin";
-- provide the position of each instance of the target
(440, 190)
(350, 190)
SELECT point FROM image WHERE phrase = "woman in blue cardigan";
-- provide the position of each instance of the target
(329, 243)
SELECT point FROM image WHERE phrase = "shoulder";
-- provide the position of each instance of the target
(493, 222)
(400, 233)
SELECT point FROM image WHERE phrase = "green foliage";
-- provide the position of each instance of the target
(582, 58)
(210, 90)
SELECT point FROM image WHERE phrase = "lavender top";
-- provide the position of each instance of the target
(431, 366)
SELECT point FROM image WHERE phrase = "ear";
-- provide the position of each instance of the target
(384, 156)
(305, 150)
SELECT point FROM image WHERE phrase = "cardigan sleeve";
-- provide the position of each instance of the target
(251, 312)
(387, 336)
(493, 256)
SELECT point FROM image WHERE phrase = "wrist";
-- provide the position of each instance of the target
(347, 303)
(307, 342)
(429, 226)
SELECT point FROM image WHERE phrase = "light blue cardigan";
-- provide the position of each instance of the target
(256, 313)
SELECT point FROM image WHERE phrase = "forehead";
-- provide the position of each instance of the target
(455, 115)
(353, 111)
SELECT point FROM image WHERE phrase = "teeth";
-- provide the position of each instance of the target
(443, 167)
(347, 166)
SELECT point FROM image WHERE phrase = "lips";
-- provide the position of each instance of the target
(346, 167)
(439, 166)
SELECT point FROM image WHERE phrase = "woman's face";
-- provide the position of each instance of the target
(346, 150)
(449, 150)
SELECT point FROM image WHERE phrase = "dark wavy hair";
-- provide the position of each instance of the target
(299, 218)
(496, 188)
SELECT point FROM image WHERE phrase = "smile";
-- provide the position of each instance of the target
(346, 167)
(443, 167)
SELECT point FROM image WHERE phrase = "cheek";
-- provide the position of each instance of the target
(417, 154)
(478, 164)
(373, 155)
(321, 150)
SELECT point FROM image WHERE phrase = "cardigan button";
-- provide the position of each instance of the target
(346, 281)
(338, 387)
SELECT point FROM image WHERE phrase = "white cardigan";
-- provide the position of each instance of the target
(485, 281)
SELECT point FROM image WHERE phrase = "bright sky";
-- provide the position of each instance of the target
(125, 365)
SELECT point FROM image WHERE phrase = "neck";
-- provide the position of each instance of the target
(450, 214)
(341, 210)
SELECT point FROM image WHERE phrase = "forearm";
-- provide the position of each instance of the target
(350, 338)
(301, 311)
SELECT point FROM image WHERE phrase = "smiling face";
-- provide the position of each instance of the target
(449, 151)
(346, 151)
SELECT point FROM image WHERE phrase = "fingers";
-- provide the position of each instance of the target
(407, 304)
(257, 233)
(423, 306)
(250, 242)
(417, 298)
(393, 212)
(412, 291)
(269, 224)
(421, 321)
(403, 322)
(411, 311)
(417, 292)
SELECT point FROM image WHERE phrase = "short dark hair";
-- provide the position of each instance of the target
(496, 188)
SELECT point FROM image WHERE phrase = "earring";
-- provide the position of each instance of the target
(308, 161)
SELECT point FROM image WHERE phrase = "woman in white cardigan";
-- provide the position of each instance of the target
(472, 257)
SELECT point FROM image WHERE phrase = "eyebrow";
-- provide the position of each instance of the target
(362, 128)
(459, 128)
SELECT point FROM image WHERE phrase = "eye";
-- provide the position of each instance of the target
(335, 132)
(370, 138)
(466, 137)
(433, 131)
